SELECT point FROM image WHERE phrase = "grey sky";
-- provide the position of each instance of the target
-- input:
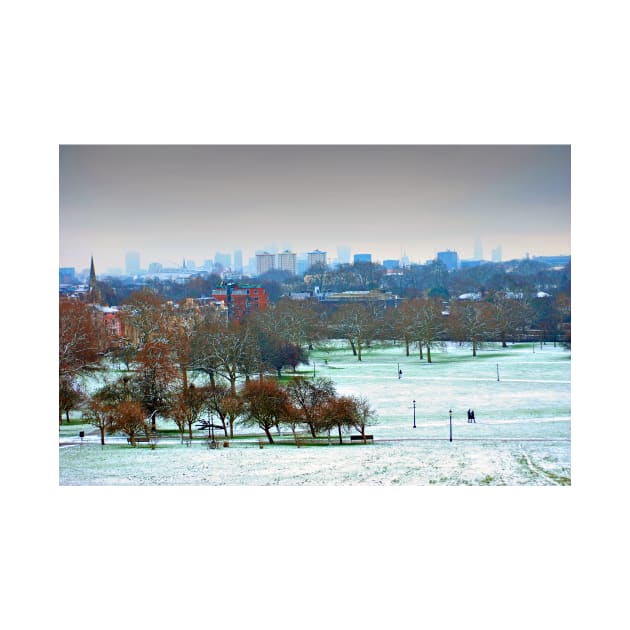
(175, 202)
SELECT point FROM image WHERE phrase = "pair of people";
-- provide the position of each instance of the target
(471, 416)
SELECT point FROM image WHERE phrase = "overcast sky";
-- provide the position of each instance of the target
(175, 202)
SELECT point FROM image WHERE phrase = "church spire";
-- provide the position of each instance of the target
(95, 294)
(92, 274)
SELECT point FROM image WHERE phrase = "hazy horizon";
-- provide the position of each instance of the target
(171, 203)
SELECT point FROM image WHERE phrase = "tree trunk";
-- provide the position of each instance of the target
(420, 349)
(340, 440)
(67, 416)
(359, 348)
(231, 429)
(354, 350)
(102, 436)
(474, 349)
(269, 435)
(311, 426)
(406, 345)
(428, 354)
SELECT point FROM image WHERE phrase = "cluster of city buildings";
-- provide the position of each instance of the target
(229, 266)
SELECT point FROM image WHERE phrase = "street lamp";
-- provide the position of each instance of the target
(450, 425)
(414, 414)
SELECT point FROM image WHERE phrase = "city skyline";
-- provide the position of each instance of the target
(171, 203)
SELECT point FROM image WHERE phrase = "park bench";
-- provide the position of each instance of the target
(359, 438)
(144, 438)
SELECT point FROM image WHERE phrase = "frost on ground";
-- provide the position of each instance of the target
(402, 463)
(521, 437)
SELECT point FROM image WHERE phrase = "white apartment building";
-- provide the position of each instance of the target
(264, 262)
(316, 258)
(287, 262)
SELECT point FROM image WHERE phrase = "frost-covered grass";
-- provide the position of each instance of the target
(382, 463)
(521, 437)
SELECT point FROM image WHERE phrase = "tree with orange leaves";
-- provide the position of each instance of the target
(78, 340)
(265, 405)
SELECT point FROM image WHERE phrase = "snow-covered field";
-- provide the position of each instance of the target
(521, 437)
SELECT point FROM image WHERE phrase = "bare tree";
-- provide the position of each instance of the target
(223, 350)
(431, 324)
(187, 407)
(155, 377)
(233, 406)
(142, 316)
(101, 415)
(469, 322)
(353, 323)
(362, 415)
(506, 315)
(70, 396)
(296, 321)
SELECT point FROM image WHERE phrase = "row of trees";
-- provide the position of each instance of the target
(163, 343)
(427, 323)
(303, 405)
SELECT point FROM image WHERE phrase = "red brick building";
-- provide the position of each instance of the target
(241, 299)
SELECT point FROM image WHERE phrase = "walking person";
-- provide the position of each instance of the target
(468, 415)
(472, 416)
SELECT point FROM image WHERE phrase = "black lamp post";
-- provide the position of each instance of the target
(414, 414)
(450, 425)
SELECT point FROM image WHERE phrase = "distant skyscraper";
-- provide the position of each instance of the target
(132, 263)
(497, 254)
(154, 267)
(238, 261)
(225, 260)
(359, 258)
(264, 262)
(478, 253)
(391, 264)
(66, 275)
(316, 258)
(343, 255)
(449, 258)
(287, 262)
